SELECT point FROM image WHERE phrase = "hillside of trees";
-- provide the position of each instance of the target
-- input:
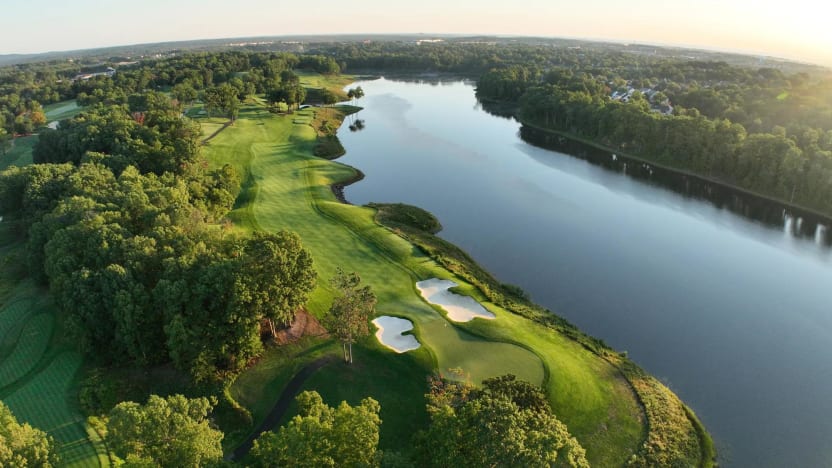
(757, 129)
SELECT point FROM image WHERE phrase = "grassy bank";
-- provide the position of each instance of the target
(289, 188)
(674, 434)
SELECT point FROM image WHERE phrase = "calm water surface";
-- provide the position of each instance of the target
(723, 297)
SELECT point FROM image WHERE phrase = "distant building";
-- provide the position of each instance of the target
(109, 71)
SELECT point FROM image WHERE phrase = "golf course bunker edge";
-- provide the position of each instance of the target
(459, 308)
(390, 331)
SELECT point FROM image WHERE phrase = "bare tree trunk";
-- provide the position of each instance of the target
(344, 346)
(271, 325)
(350, 353)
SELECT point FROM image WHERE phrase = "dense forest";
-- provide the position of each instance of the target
(757, 129)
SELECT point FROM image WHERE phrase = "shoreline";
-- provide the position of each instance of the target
(338, 187)
(629, 370)
(684, 172)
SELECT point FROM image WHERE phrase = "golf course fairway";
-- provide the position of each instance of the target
(286, 187)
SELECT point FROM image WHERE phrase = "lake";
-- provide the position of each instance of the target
(723, 296)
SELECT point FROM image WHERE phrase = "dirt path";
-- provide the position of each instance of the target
(276, 414)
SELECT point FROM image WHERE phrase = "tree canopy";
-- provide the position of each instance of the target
(222, 100)
(506, 423)
(351, 310)
(322, 436)
(167, 432)
(23, 446)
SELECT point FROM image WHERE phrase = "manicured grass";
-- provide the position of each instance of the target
(290, 189)
(31, 346)
(21, 154)
(314, 81)
(12, 317)
(289, 181)
(42, 402)
(62, 110)
(37, 365)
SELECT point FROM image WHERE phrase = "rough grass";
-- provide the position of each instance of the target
(397, 381)
(290, 189)
(12, 317)
(314, 81)
(257, 389)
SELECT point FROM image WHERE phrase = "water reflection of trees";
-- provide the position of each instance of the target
(356, 125)
(794, 222)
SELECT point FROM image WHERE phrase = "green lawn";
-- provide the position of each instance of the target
(288, 188)
(31, 346)
(62, 110)
(37, 366)
(43, 403)
(20, 154)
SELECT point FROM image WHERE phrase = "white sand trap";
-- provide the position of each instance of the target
(53, 125)
(459, 308)
(390, 331)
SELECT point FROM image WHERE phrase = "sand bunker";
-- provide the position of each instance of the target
(390, 331)
(459, 308)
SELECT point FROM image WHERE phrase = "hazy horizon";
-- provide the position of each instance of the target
(740, 26)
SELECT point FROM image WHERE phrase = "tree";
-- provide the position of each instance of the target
(169, 432)
(289, 77)
(222, 99)
(21, 445)
(358, 93)
(184, 93)
(328, 97)
(322, 436)
(277, 275)
(292, 94)
(506, 424)
(350, 311)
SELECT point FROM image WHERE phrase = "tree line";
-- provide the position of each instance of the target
(762, 131)
(505, 422)
(121, 220)
(24, 89)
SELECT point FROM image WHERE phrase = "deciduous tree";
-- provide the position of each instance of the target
(350, 311)
(322, 436)
(169, 432)
(23, 446)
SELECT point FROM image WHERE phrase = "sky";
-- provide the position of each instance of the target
(796, 29)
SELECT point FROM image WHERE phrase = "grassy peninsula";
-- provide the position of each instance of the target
(616, 411)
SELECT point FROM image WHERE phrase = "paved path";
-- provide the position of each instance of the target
(276, 414)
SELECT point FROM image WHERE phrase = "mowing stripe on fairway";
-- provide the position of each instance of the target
(43, 403)
(31, 346)
(293, 192)
(12, 318)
